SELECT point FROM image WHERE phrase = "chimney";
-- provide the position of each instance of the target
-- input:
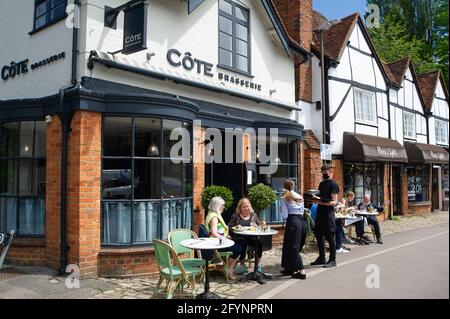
(297, 16)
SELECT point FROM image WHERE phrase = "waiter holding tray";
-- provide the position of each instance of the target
(325, 221)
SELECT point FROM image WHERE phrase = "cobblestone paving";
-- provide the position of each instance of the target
(143, 288)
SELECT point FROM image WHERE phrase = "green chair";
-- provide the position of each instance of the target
(172, 270)
(175, 237)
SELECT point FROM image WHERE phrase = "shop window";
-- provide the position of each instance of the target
(441, 128)
(365, 106)
(22, 178)
(409, 125)
(144, 193)
(365, 179)
(418, 181)
(287, 168)
(234, 37)
(445, 185)
(47, 12)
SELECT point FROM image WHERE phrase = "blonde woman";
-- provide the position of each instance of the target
(292, 209)
(216, 227)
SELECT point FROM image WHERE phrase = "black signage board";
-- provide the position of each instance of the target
(135, 29)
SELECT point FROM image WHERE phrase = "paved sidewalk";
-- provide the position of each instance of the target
(25, 282)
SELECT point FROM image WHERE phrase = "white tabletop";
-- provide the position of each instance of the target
(359, 212)
(206, 243)
(256, 232)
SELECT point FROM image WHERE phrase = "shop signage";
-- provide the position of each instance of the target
(190, 63)
(21, 67)
(386, 152)
(437, 156)
(325, 152)
(135, 29)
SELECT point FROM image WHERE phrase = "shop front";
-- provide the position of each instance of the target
(368, 168)
(426, 169)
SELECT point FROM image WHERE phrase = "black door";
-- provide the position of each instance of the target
(435, 188)
(396, 191)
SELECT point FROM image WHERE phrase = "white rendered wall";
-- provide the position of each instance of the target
(439, 108)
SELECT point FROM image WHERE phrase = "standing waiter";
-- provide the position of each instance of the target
(325, 221)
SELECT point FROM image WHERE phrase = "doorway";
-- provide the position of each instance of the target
(436, 188)
(396, 191)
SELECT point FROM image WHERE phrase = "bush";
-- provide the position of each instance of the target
(261, 197)
(213, 191)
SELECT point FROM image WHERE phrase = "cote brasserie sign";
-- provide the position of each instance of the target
(190, 63)
(16, 68)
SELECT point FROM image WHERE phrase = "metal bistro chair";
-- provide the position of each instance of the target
(175, 237)
(172, 270)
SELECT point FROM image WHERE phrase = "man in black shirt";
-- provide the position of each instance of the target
(325, 221)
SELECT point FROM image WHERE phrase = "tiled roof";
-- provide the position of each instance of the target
(318, 19)
(311, 140)
(427, 84)
(396, 70)
(336, 38)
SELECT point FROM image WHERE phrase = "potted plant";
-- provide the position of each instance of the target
(262, 197)
(213, 191)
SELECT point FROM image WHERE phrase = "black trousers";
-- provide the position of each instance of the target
(331, 239)
(326, 229)
(293, 242)
(371, 220)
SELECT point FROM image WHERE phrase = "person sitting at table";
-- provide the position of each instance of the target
(292, 210)
(340, 234)
(348, 203)
(245, 216)
(216, 227)
(371, 220)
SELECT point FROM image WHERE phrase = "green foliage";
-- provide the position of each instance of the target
(261, 196)
(213, 191)
(396, 218)
(416, 28)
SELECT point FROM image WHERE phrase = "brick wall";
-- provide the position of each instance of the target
(199, 175)
(338, 175)
(298, 18)
(311, 168)
(27, 252)
(83, 191)
(127, 262)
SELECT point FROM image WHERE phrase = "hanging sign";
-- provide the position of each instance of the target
(135, 29)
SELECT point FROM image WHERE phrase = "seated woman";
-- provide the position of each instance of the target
(245, 216)
(216, 227)
(340, 234)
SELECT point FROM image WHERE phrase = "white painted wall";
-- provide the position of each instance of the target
(170, 26)
(439, 108)
(310, 117)
(16, 21)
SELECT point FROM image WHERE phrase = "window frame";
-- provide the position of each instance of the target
(405, 132)
(362, 106)
(445, 131)
(133, 158)
(234, 54)
(364, 167)
(51, 21)
(424, 172)
(17, 159)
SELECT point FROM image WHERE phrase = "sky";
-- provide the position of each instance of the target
(335, 9)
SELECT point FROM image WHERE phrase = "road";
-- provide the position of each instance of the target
(410, 264)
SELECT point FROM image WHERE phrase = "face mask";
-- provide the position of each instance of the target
(325, 176)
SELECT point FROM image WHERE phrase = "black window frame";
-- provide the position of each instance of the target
(424, 182)
(379, 172)
(17, 159)
(49, 22)
(133, 158)
(234, 54)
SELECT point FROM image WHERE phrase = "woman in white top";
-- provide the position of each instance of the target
(292, 209)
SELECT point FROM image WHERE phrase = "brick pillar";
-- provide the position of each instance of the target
(312, 163)
(298, 18)
(404, 187)
(387, 181)
(338, 175)
(301, 171)
(199, 174)
(53, 193)
(84, 192)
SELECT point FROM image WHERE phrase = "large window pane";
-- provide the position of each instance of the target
(145, 221)
(168, 127)
(241, 47)
(241, 63)
(225, 57)
(26, 139)
(225, 25)
(147, 179)
(25, 177)
(116, 179)
(293, 151)
(225, 7)
(117, 136)
(8, 214)
(225, 41)
(31, 216)
(8, 177)
(116, 222)
(147, 137)
(172, 180)
(40, 139)
(242, 32)
(9, 134)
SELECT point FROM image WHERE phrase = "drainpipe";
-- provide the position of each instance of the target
(65, 116)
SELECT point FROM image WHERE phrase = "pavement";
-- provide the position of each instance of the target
(412, 263)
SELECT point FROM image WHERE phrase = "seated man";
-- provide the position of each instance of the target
(340, 234)
(371, 220)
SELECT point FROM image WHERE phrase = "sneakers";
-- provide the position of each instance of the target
(240, 269)
(347, 240)
(298, 275)
(342, 251)
(319, 261)
(330, 264)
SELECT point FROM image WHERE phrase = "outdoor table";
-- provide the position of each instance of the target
(207, 244)
(349, 219)
(256, 275)
(366, 213)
